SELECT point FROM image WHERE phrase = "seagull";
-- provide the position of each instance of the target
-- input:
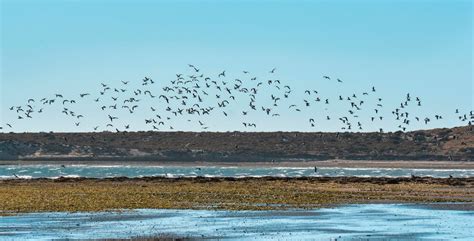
(112, 118)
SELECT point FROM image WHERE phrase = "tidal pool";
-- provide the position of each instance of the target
(368, 221)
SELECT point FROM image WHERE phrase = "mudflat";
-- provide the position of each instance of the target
(88, 194)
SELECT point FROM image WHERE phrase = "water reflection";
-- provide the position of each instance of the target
(370, 221)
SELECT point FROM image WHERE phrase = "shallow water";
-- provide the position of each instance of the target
(54, 171)
(369, 221)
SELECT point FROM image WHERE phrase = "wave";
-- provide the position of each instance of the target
(3, 177)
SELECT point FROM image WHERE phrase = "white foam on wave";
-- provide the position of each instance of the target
(65, 176)
(288, 168)
(169, 175)
(208, 175)
(15, 177)
(99, 166)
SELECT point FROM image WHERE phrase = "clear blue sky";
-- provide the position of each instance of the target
(70, 47)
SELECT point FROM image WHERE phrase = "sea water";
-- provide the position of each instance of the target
(367, 222)
(101, 171)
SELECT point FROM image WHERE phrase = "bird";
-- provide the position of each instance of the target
(197, 94)
(112, 118)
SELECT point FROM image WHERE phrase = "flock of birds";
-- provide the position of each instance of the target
(193, 96)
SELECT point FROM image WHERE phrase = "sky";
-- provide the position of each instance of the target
(419, 47)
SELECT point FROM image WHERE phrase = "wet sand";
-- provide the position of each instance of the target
(290, 163)
(269, 193)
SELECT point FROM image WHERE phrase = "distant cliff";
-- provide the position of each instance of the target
(437, 144)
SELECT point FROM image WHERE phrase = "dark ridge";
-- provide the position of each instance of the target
(447, 144)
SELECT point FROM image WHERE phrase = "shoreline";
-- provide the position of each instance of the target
(328, 163)
(269, 193)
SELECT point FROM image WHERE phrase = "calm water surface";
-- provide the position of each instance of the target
(367, 222)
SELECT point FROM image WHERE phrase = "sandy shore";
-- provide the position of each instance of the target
(296, 163)
(85, 194)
